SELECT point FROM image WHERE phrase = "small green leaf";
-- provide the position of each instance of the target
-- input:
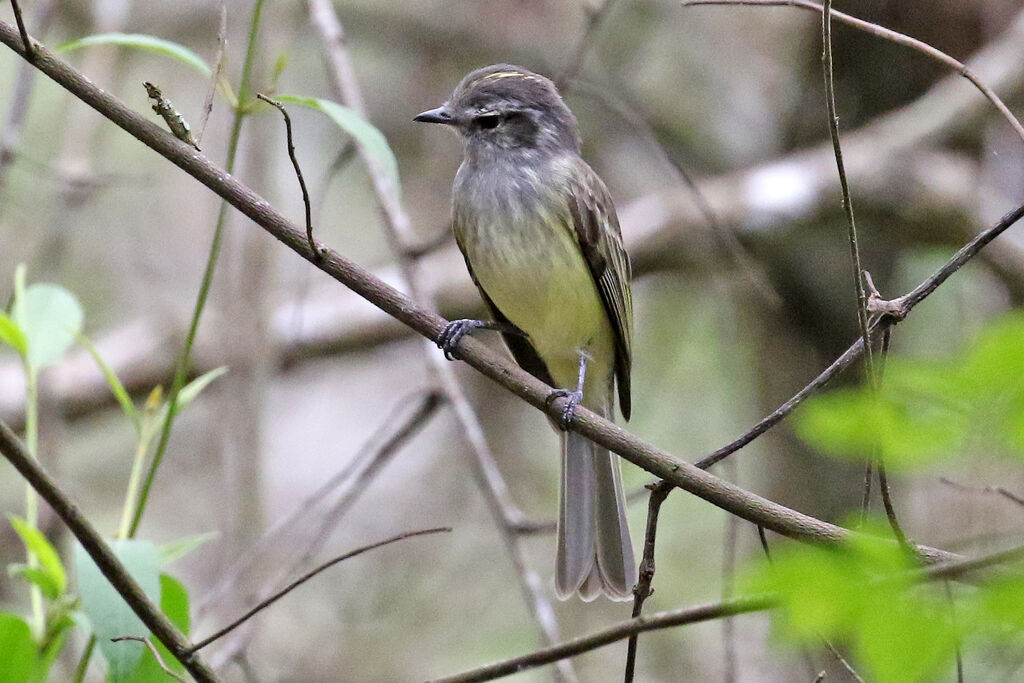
(18, 648)
(169, 552)
(12, 335)
(38, 577)
(365, 134)
(49, 560)
(190, 391)
(50, 318)
(120, 393)
(142, 42)
(108, 613)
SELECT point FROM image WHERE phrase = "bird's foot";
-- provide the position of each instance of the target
(453, 333)
(573, 399)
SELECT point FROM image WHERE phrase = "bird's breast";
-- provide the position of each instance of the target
(524, 254)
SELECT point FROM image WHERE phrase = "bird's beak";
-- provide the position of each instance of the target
(439, 115)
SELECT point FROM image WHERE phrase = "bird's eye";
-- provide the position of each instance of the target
(488, 121)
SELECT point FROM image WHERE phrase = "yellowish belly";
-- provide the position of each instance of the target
(537, 277)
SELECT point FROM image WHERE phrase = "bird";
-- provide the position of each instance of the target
(540, 237)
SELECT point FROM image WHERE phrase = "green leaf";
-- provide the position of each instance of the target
(49, 560)
(18, 648)
(120, 393)
(169, 552)
(173, 603)
(142, 42)
(190, 391)
(365, 134)
(863, 594)
(108, 613)
(50, 318)
(36, 576)
(12, 335)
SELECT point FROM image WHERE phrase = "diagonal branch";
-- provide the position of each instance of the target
(103, 556)
(732, 498)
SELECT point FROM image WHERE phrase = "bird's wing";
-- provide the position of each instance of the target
(600, 239)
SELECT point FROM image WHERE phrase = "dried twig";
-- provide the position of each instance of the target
(30, 51)
(103, 556)
(595, 20)
(156, 654)
(642, 590)
(211, 89)
(267, 602)
(394, 432)
(998, 490)
(887, 34)
(298, 170)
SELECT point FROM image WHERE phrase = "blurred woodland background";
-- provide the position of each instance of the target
(742, 292)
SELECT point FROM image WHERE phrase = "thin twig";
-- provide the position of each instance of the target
(998, 490)
(298, 170)
(883, 480)
(348, 482)
(642, 590)
(887, 34)
(595, 20)
(620, 631)
(156, 654)
(851, 223)
(30, 50)
(263, 604)
(958, 654)
(211, 89)
(751, 507)
(105, 559)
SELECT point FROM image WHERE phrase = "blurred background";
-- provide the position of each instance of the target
(742, 292)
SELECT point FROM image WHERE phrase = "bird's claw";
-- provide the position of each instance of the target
(453, 333)
(572, 399)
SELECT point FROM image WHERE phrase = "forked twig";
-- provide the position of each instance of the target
(156, 654)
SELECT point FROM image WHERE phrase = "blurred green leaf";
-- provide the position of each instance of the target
(38, 577)
(141, 41)
(169, 552)
(120, 393)
(50, 317)
(190, 391)
(18, 648)
(49, 560)
(108, 613)
(366, 135)
(861, 593)
(11, 334)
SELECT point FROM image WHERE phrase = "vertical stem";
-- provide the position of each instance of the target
(31, 501)
(181, 371)
(134, 480)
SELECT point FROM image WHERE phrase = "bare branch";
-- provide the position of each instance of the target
(595, 20)
(998, 490)
(218, 66)
(101, 554)
(642, 590)
(267, 602)
(29, 49)
(295, 165)
(620, 631)
(887, 34)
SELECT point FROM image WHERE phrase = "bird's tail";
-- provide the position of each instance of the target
(594, 554)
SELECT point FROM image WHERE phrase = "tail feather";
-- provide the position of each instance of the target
(595, 554)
